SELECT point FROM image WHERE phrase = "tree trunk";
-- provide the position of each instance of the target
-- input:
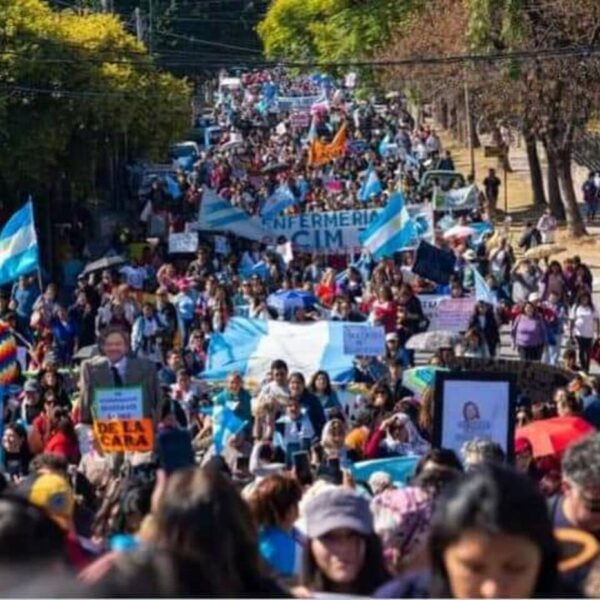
(554, 199)
(535, 170)
(563, 167)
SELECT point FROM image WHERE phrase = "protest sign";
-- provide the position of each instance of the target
(128, 435)
(182, 243)
(434, 263)
(473, 404)
(298, 103)
(446, 313)
(464, 198)
(118, 403)
(363, 340)
(300, 120)
(535, 380)
(328, 232)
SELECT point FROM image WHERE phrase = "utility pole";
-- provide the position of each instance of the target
(469, 127)
(139, 26)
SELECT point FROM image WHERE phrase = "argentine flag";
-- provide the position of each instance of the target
(250, 345)
(371, 185)
(392, 230)
(216, 214)
(483, 293)
(19, 252)
(278, 201)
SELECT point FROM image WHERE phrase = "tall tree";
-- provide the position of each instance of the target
(558, 94)
(78, 90)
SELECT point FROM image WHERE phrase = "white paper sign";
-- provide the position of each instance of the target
(183, 243)
(447, 314)
(119, 403)
(475, 409)
(364, 340)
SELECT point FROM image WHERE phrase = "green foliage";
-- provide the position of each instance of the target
(75, 87)
(330, 30)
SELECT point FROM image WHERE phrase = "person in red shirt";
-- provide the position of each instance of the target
(63, 439)
(385, 309)
(325, 291)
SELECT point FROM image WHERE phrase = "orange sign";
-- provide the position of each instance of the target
(125, 436)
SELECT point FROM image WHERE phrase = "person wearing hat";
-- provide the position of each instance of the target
(343, 553)
(31, 405)
(468, 277)
(52, 493)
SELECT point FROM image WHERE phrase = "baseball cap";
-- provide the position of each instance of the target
(337, 508)
(52, 493)
(391, 336)
(31, 386)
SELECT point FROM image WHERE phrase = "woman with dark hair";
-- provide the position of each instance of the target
(63, 439)
(484, 321)
(274, 506)
(199, 517)
(491, 537)
(314, 409)
(470, 412)
(16, 455)
(343, 555)
(529, 333)
(584, 325)
(320, 386)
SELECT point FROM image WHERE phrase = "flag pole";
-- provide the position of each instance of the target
(39, 263)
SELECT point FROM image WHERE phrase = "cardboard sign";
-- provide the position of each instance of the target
(183, 243)
(121, 403)
(131, 435)
(535, 380)
(364, 340)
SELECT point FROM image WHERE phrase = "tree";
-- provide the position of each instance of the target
(552, 98)
(558, 94)
(80, 92)
(330, 30)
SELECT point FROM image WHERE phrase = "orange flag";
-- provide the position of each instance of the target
(320, 153)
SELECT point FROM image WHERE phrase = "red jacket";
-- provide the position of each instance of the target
(60, 444)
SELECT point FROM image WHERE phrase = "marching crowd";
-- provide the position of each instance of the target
(274, 508)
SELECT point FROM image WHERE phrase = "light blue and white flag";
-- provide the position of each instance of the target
(483, 293)
(392, 230)
(19, 250)
(173, 187)
(387, 147)
(371, 185)
(278, 201)
(216, 214)
(250, 345)
(260, 268)
(225, 425)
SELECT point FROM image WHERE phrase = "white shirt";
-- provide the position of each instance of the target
(121, 367)
(583, 318)
(134, 276)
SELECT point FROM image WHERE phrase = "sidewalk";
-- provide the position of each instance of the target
(520, 198)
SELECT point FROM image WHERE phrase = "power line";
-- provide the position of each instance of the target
(194, 40)
(196, 59)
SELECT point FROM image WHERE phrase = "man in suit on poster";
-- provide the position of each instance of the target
(116, 369)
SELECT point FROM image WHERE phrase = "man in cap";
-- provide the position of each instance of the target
(31, 405)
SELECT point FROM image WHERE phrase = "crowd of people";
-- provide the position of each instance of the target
(271, 505)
